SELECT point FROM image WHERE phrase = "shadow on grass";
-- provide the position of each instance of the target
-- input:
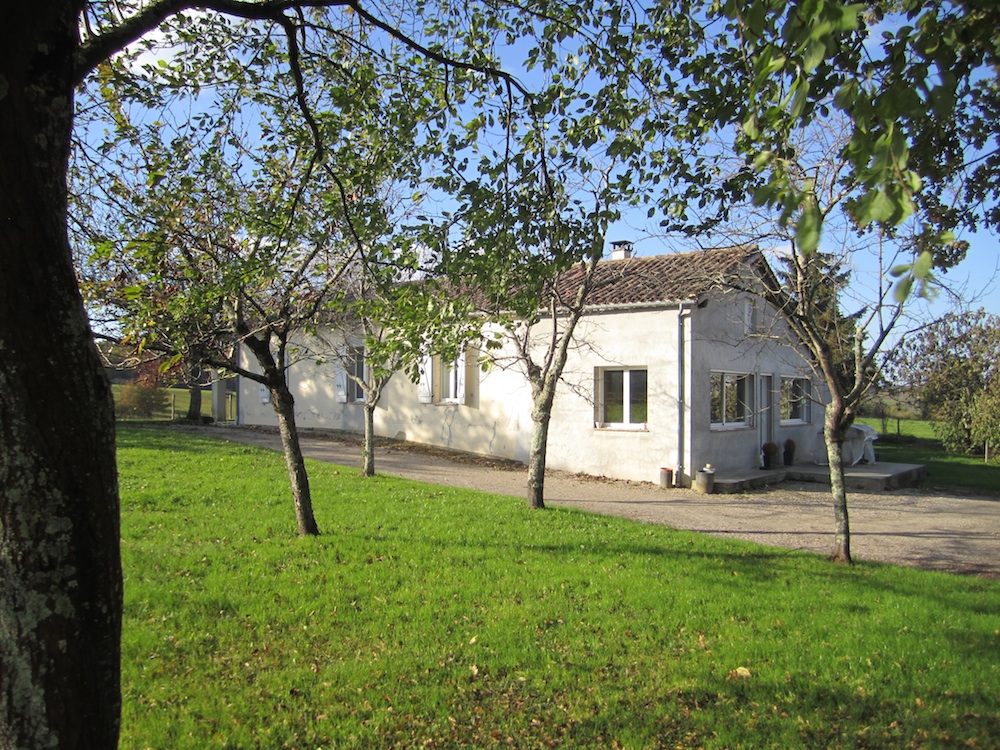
(164, 436)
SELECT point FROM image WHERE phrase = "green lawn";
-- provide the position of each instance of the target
(436, 617)
(902, 429)
(912, 441)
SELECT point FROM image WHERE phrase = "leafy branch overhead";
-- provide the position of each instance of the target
(917, 82)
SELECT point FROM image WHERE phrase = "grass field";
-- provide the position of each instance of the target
(175, 404)
(436, 617)
(912, 441)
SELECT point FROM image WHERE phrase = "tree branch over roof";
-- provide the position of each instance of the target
(105, 44)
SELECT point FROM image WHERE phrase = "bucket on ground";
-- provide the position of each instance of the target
(704, 480)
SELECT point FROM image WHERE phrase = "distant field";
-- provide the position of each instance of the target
(912, 441)
(176, 404)
(903, 428)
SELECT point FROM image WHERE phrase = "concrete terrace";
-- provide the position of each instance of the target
(876, 477)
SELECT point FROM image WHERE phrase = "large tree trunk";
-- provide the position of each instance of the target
(368, 442)
(284, 408)
(834, 429)
(194, 404)
(60, 569)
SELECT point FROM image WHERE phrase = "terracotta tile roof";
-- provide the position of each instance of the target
(643, 280)
(639, 280)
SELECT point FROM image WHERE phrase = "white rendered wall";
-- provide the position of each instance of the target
(720, 343)
(640, 339)
(496, 420)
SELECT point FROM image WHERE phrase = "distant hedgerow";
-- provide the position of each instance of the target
(138, 400)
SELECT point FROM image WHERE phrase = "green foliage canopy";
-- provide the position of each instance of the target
(954, 366)
(229, 187)
(921, 102)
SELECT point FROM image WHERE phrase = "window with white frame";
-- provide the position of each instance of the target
(445, 381)
(622, 397)
(795, 400)
(731, 393)
(451, 379)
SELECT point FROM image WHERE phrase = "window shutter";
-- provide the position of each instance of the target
(460, 377)
(425, 386)
(340, 377)
(598, 397)
(751, 317)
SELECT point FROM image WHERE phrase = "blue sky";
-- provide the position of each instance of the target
(978, 276)
(976, 280)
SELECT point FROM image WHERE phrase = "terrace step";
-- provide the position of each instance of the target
(866, 477)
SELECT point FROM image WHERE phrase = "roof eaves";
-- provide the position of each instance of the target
(627, 306)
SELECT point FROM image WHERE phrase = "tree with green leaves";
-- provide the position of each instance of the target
(532, 290)
(60, 663)
(386, 318)
(953, 364)
(59, 556)
(986, 419)
(923, 137)
(234, 227)
(536, 339)
(903, 167)
(602, 135)
(60, 604)
(843, 350)
(808, 290)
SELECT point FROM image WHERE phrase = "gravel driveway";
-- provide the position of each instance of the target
(922, 528)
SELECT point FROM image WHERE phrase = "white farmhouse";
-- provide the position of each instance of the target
(676, 364)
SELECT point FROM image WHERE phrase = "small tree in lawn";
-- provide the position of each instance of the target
(541, 355)
(536, 304)
(235, 230)
(919, 148)
(385, 319)
(953, 365)
(808, 285)
(601, 134)
(842, 351)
